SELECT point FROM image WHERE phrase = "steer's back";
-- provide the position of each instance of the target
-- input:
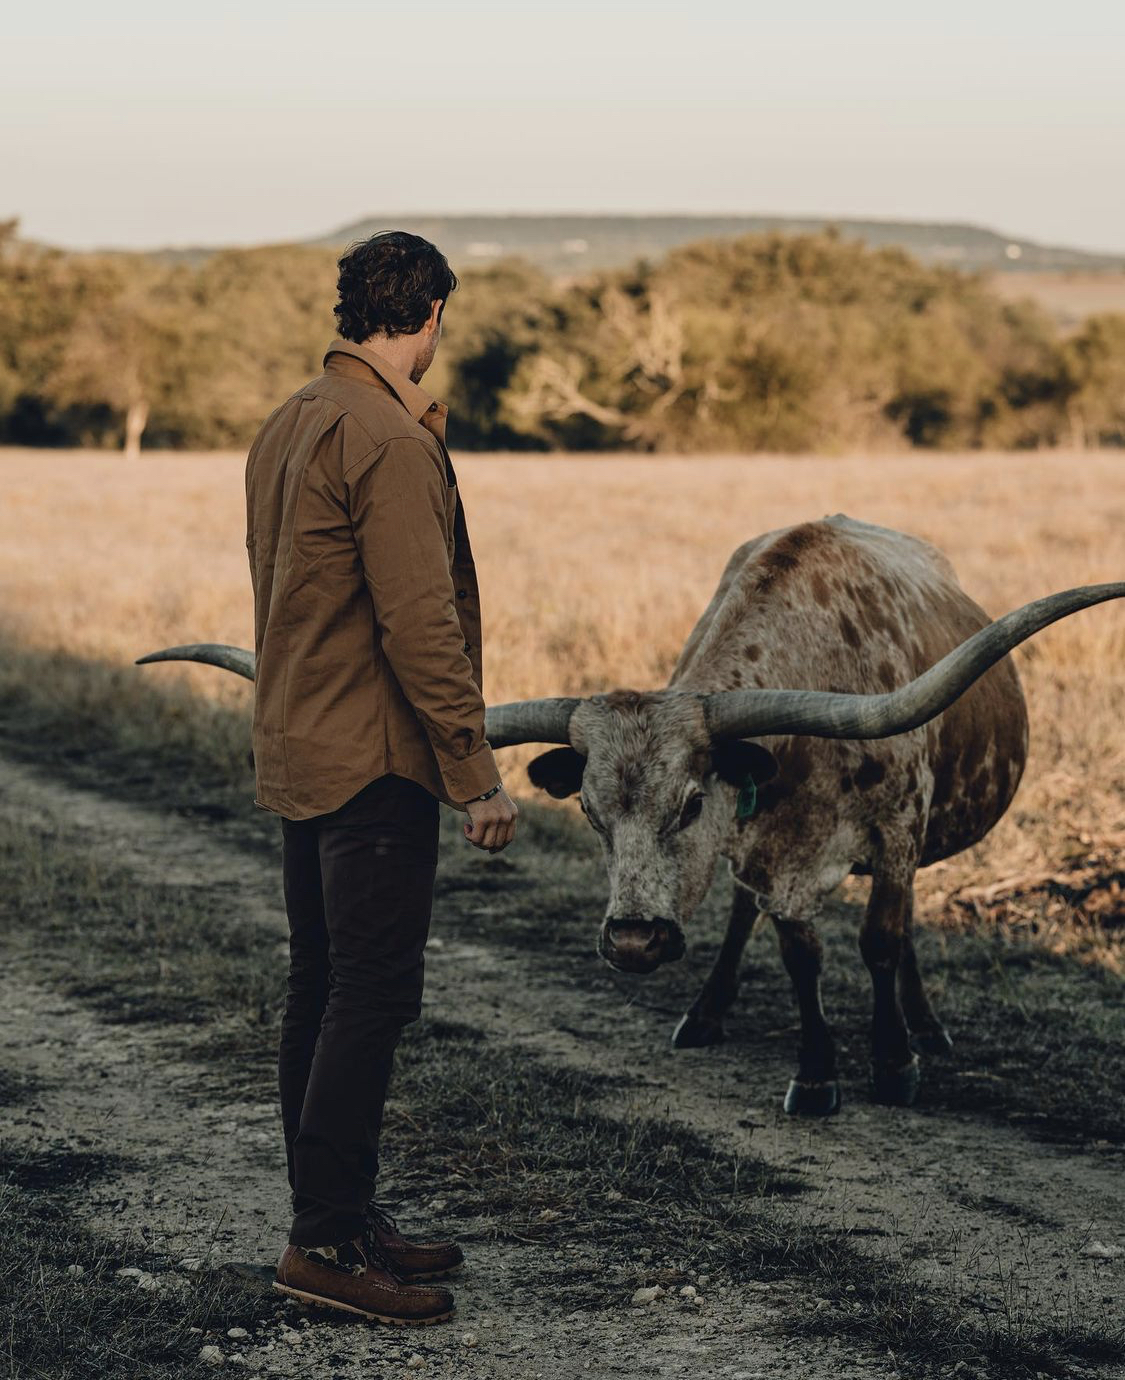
(847, 606)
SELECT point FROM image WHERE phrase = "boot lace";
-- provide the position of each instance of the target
(379, 1217)
(372, 1218)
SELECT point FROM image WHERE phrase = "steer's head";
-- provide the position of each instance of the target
(660, 794)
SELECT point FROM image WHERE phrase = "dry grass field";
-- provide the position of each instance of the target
(593, 570)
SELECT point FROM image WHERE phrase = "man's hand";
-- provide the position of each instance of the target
(492, 823)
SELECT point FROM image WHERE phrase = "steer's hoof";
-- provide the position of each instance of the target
(933, 1041)
(812, 1099)
(896, 1087)
(694, 1032)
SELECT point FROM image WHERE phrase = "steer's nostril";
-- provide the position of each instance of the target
(634, 936)
(635, 939)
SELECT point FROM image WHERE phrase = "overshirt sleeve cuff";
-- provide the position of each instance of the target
(467, 777)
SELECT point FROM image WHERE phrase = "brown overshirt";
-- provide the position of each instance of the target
(366, 608)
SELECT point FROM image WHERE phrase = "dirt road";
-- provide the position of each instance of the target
(989, 1213)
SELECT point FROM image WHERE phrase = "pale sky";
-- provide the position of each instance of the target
(148, 124)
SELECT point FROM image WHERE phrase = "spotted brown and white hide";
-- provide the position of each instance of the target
(843, 605)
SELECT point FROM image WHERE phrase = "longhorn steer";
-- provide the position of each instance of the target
(812, 727)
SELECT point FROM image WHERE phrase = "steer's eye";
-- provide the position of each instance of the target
(692, 810)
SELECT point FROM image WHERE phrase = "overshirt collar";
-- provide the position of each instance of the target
(415, 399)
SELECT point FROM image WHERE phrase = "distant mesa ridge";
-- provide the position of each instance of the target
(570, 244)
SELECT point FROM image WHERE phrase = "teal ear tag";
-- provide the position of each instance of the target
(747, 798)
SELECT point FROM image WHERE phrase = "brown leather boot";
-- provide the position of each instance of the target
(354, 1278)
(412, 1260)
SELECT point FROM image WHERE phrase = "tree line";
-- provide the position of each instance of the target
(765, 342)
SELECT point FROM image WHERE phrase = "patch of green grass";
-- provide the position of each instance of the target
(131, 733)
(886, 1310)
(66, 1314)
(531, 1150)
(1044, 1030)
(140, 952)
(18, 1089)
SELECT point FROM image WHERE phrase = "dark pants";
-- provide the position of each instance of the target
(358, 890)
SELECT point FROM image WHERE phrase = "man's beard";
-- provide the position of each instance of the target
(421, 364)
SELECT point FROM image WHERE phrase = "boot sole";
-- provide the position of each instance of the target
(324, 1302)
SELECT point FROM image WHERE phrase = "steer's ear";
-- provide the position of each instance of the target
(558, 772)
(737, 761)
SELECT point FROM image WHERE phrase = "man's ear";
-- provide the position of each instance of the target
(558, 772)
(733, 760)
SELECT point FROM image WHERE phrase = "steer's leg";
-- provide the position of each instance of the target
(927, 1034)
(703, 1023)
(894, 1068)
(814, 1091)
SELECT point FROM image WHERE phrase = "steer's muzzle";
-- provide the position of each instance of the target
(639, 946)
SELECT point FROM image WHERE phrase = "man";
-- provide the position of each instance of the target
(368, 711)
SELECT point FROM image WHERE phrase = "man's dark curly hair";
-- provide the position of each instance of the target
(387, 284)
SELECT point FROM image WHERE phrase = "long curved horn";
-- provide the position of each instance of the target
(235, 659)
(529, 721)
(522, 721)
(824, 714)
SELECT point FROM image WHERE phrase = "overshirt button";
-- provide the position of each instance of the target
(462, 593)
(466, 647)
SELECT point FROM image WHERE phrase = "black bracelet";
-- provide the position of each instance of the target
(489, 794)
